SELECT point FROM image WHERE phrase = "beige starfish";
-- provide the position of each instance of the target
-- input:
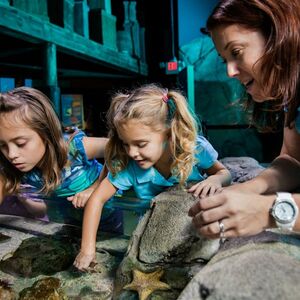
(146, 283)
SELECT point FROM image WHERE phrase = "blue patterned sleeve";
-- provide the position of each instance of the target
(206, 155)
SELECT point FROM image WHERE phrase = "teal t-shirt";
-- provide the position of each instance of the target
(79, 173)
(149, 183)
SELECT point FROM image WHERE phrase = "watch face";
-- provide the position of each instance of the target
(284, 212)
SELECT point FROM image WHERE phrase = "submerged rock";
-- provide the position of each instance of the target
(47, 288)
(6, 291)
(39, 256)
(4, 237)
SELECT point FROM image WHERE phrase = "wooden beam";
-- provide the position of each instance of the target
(36, 30)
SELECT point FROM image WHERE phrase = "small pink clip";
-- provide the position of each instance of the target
(165, 98)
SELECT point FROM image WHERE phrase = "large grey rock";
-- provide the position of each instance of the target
(166, 239)
(266, 266)
(242, 168)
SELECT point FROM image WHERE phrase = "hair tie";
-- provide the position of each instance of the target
(165, 98)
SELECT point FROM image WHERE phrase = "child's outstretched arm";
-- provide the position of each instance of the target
(91, 220)
(36, 208)
(218, 177)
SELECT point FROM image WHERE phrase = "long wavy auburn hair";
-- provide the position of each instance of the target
(279, 22)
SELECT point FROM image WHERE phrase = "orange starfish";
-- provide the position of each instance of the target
(146, 283)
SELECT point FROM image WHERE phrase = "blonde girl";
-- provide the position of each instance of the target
(153, 144)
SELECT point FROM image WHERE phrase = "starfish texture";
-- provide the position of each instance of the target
(146, 283)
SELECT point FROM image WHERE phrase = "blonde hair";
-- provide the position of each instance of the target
(34, 109)
(146, 104)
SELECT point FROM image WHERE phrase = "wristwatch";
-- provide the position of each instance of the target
(284, 211)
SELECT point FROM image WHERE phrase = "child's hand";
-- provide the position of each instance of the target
(83, 261)
(206, 188)
(80, 199)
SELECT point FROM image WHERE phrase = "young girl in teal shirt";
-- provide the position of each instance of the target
(38, 162)
(153, 144)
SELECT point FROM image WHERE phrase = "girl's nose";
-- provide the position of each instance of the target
(232, 69)
(133, 152)
(12, 153)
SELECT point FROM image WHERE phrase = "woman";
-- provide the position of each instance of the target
(259, 41)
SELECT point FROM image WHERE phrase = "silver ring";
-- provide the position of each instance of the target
(222, 231)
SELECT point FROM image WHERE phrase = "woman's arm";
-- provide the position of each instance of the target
(91, 220)
(218, 177)
(244, 208)
(94, 146)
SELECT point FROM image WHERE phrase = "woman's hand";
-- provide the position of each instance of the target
(83, 261)
(207, 187)
(241, 213)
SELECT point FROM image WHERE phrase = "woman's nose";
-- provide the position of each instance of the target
(232, 69)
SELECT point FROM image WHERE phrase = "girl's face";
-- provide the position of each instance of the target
(144, 145)
(21, 145)
(241, 49)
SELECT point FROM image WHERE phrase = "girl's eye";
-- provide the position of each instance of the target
(142, 145)
(21, 145)
(235, 52)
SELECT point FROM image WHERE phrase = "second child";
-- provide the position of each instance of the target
(153, 144)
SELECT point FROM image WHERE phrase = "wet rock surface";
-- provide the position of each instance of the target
(34, 250)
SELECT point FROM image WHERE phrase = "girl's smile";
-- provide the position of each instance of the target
(144, 144)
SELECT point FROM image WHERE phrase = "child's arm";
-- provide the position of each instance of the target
(218, 177)
(80, 199)
(91, 219)
(36, 208)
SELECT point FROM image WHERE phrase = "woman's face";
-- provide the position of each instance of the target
(241, 49)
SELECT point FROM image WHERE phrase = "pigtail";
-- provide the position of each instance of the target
(115, 155)
(183, 128)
